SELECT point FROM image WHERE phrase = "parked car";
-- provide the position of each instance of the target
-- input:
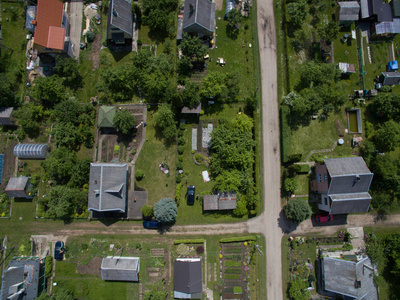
(323, 218)
(190, 194)
(151, 224)
(59, 250)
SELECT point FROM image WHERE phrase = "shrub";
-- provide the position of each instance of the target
(181, 149)
(134, 150)
(90, 36)
(238, 239)
(178, 179)
(180, 158)
(178, 192)
(181, 141)
(180, 133)
(48, 266)
(290, 185)
(189, 241)
(147, 211)
(295, 157)
(182, 126)
(200, 250)
(165, 210)
(198, 157)
(179, 165)
(116, 149)
(297, 210)
(311, 277)
(286, 132)
(139, 174)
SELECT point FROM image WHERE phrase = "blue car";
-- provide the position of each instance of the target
(59, 250)
(151, 224)
(190, 194)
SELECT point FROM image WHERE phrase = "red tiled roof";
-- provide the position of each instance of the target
(48, 31)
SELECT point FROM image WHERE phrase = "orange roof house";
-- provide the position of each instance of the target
(52, 27)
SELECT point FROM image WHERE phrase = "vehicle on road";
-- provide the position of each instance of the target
(323, 218)
(59, 250)
(190, 194)
(151, 224)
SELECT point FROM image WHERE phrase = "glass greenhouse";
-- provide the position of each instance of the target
(30, 151)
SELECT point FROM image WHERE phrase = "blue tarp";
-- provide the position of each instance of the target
(1, 165)
(393, 65)
(30, 16)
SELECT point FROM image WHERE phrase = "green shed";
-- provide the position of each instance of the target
(106, 116)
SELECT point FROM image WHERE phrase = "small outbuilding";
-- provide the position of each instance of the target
(390, 78)
(30, 151)
(188, 278)
(120, 268)
(221, 201)
(347, 12)
(195, 110)
(346, 68)
(106, 116)
(6, 116)
(19, 187)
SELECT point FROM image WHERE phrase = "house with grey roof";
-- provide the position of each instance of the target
(120, 21)
(347, 12)
(221, 201)
(115, 268)
(390, 78)
(353, 279)
(19, 187)
(195, 110)
(198, 18)
(108, 187)
(6, 116)
(188, 278)
(23, 278)
(342, 185)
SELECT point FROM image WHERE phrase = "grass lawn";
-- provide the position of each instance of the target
(144, 35)
(154, 152)
(238, 58)
(303, 184)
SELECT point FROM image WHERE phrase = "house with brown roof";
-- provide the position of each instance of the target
(52, 28)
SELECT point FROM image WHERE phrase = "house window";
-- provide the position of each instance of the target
(319, 178)
(48, 49)
(326, 200)
(325, 177)
(115, 29)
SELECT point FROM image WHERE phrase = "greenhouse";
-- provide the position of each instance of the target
(30, 151)
(230, 5)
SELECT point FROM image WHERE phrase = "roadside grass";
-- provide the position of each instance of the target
(154, 152)
(238, 58)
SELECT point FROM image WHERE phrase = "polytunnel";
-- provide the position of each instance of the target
(230, 4)
(30, 151)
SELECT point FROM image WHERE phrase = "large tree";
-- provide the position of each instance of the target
(59, 165)
(190, 94)
(297, 210)
(49, 90)
(387, 137)
(29, 118)
(297, 12)
(118, 83)
(192, 47)
(73, 112)
(80, 174)
(165, 210)
(164, 119)
(329, 31)
(68, 69)
(124, 121)
(67, 135)
(61, 201)
(214, 86)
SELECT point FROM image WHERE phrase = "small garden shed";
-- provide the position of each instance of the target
(106, 116)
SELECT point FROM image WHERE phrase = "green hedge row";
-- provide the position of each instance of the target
(189, 241)
(285, 132)
(238, 239)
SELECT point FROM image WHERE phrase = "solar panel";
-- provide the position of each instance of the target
(1, 165)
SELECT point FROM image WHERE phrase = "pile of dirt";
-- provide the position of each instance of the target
(92, 268)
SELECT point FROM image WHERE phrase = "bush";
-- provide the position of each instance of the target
(312, 278)
(286, 132)
(178, 192)
(295, 157)
(178, 179)
(297, 210)
(181, 141)
(147, 211)
(181, 149)
(179, 165)
(180, 133)
(290, 185)
(134, 150)
(238, 239)
(200, 250)
(182, 126)
(198, 157)
(165, 210)
(48, 266)
(139, 174)
(90, 36)
(189, 241)
(180, 158)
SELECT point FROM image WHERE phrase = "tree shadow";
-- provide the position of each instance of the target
(285, 224)
(232, 32)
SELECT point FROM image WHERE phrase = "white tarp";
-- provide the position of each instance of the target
(205, 175)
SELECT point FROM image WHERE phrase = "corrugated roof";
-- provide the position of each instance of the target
(120, 268)
(188, 276)
(49, 13)
(366, 9)
(17, 183)
(388, 27)
(121, 15)
(349, 11)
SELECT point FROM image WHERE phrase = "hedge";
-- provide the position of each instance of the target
(238, 239)
(189, 241)
(48, 266)
(285, 133)
(304, 169)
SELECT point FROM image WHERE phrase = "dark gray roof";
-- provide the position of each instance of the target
(202, 14)
(366, 9)
(188, 276)
(187, 110)
(349, 278)
(390, 78)
(349, 11)
(350, 184)
(5, 112)
(396, 8)
(21, 274)
(121, 15)
(382, 10)
(108, 187)
(346, 166)
(17, 183)
(350, 203)
(120, 268)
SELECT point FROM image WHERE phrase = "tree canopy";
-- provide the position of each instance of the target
(29, 117)
(190, 94)
(297, 210)
(68, 69)
(387, 137)
(164, 119)
(165, 210)
(59, 165)
(298, 289)
(49, 90)
(124, 121)
(68, 136)
(192, 47)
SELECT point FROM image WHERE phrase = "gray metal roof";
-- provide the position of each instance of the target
(17, 183)
(121, 15)
(5, 112)
(222, 201)
(195, 110)
(120, 268)
(349, 11)
(389, 28)
(390, 78)
(108, 187)
(202, 14)
(396, 8)
(366, 8)
(349, 278)
(21, 274)
(188, 276)
(347, 184)
(382, 10)
(350, 203)
(346, 166)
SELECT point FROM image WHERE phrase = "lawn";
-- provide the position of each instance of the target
(238, 58)
(154, 152)
(303, 183)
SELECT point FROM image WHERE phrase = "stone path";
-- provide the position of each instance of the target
(194, 139)
(321, 151)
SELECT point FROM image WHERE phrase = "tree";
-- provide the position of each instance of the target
(313, 74)
(297, 12)
(234, 18)
(190, 94)
(192, 47)
(124, 121)
(29, 118)
(67, 135)
(59, 165)
(329, 31)
(158, 21)
(67, 68)
(68, 111)
(164, 119)
(147, 211)
(80, 174)
(165, 210)
(62, 200)
(157, 292)
(290, 185)
(7, 95)
(139, 174)
(387, 137)
(243, 123)
(298, 289)
(386, 106)
(49, 90)
(241, 209)
(90, 36)
(228, 181)
(297, 210)
(214, 86)
(118, 83)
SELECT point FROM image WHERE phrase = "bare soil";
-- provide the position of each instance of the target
(8, 163)
(95, 52)
(92, 268)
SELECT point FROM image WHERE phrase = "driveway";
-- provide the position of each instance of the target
(75, 21)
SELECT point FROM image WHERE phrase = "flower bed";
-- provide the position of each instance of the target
(5, 204)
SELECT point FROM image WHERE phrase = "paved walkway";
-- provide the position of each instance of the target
(75, 16)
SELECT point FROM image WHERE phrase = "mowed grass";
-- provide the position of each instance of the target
(302, 184)
(154, 152)
(379, 58)
(238, 58)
